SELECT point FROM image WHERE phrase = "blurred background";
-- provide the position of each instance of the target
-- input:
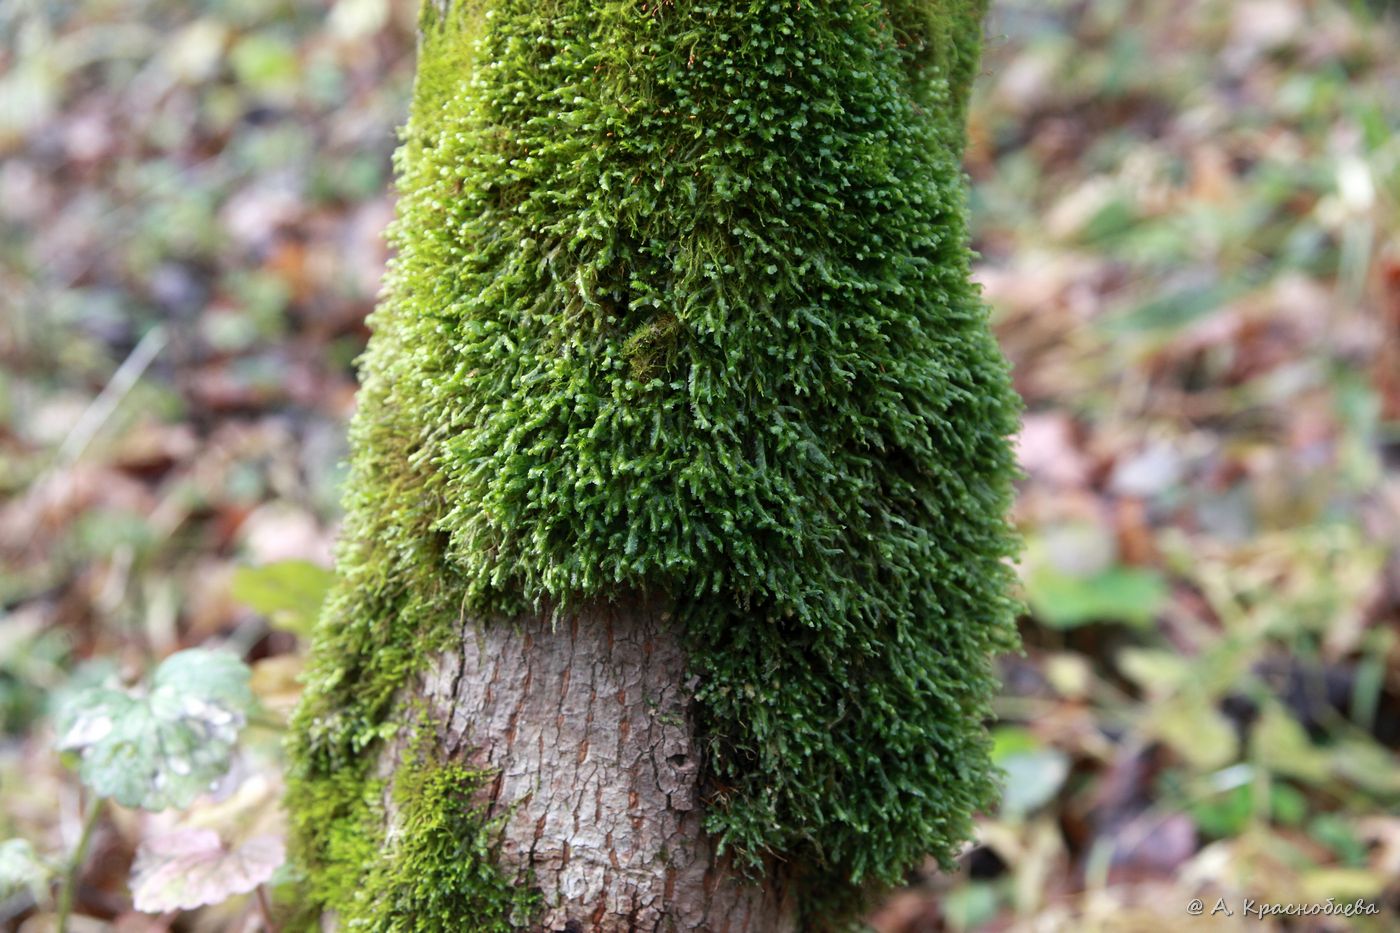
(1188, 220)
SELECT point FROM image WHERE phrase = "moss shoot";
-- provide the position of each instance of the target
(681, 303)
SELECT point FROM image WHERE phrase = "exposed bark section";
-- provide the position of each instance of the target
(589, 727)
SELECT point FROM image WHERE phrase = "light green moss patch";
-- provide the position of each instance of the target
(439, 872)
(396, 600)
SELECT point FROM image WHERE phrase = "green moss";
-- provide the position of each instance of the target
(343, 812)
(396, 599)
(652, 349)
(438, 871)
(681, 303)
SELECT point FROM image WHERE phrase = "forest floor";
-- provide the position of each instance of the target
(1188, 220)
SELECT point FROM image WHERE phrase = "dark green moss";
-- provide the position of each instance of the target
(681, 303)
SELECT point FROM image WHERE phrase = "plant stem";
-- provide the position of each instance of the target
(265, 908)
(75, 864)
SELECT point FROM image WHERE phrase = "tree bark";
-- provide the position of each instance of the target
(589, 730)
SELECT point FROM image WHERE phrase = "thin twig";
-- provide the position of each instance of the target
(122, 382)
(75, 865)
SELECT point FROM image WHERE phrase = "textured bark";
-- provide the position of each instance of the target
(589, 728)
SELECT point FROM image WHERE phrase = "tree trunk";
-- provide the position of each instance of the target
(680, 306)
(589, 730)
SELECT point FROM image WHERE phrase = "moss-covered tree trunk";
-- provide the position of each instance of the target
(676, 551)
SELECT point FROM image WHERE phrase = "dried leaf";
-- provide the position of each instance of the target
(1193, 728)
(190, 868)
(1281, 743)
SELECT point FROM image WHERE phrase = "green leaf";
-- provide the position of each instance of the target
(1367, 765)
(1226, 814)
(1287, 805)
(289, 593)
(1339, 834)
(160, 747)
(1175, 311)
(1281, 744)
(21, 869)
(971, 906)
(1032, 774)
(1116, 217)
(1010, 740)
(265, 63)
(1118, 594)
(1196, 730)
(1155, 672)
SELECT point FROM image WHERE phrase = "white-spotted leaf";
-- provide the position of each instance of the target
(163, 746)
